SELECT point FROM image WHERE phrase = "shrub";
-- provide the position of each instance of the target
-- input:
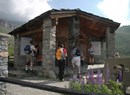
(111, 88)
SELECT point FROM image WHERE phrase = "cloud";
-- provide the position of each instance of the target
(117, 10)
(22, 10)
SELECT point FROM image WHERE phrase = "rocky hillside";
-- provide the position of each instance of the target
(6, 27)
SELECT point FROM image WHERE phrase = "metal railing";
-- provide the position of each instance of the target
(43, 87)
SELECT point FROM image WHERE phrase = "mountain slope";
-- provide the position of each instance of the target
(6, 27)
(122, 40)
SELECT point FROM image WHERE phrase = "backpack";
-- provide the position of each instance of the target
(27, 49)
(63, 54)
(77, 53)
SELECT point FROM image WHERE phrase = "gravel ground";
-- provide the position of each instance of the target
(21, 90)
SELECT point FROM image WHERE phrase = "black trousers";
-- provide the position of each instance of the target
(61, 65)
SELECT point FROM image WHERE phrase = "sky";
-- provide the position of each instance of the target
(25, 10)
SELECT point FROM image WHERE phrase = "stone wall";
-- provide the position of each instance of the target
(110, 43)
(18, 59)
(3, 61)
(107, 47)
(111, 63)
(74, 32)
(49, 48)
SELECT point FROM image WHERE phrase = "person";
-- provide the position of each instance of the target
(120, 73)
(115, 73)
(64, 49)
(30, 57)
(82, 59)
(36, 53)
(91, 51)
(60, 56)
(76, 59)
(117, 55)
(65, 52)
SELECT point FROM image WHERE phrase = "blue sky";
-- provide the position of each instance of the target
(85, 5)
(24, 10)
(117, 10)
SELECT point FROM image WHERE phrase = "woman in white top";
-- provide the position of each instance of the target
(76, 59)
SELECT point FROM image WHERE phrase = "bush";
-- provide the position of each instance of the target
(111, 88)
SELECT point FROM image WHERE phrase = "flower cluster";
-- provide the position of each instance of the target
(88, 78)
(91, 83)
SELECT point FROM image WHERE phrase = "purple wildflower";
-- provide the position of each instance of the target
(91, 76)
(99, 77)
(82, 82)
(74, 77)
(88, 76)
(120, 76)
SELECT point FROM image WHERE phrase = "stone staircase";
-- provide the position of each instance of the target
(19, 73)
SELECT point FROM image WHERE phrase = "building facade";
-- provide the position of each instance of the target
(71, 27)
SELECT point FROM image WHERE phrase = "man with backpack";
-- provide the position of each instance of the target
(30, 51)
(76, 59)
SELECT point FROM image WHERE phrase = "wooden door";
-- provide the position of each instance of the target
(84, 44)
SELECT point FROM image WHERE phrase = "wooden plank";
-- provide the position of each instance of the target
(99, 19)
(31, 32)
(88, 32)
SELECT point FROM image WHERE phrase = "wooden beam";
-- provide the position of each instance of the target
(53, 16)
(93, 27)
(89, 32)
(31, 32)
(100, 19)
(87, 17)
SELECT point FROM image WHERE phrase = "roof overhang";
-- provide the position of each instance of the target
(64, 13)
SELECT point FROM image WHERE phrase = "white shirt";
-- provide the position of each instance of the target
(33, 49)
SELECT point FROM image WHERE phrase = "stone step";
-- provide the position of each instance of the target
(20, 72)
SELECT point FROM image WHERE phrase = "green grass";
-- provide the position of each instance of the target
(122, 41)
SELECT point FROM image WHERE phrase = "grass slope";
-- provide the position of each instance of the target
(122, 41)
